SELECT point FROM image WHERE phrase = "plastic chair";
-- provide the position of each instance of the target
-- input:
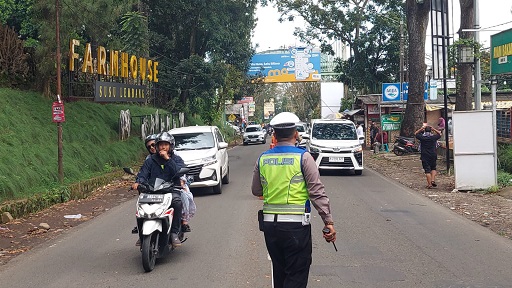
(385, 147)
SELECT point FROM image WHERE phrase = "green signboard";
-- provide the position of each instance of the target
(391, 122)
(501, 53)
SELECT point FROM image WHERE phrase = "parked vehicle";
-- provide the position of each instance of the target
(154, 218)
(334, 144)
(405, 145)
(205, 153)
(255, 134)
(235, 128)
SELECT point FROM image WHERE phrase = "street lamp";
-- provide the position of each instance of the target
(465, 54)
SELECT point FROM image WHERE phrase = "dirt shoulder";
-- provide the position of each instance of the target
(493, 211)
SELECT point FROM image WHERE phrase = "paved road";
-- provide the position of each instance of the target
(388, 236)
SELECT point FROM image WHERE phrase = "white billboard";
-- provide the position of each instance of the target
(330, 99)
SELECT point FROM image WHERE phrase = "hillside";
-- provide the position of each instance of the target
(28, 142)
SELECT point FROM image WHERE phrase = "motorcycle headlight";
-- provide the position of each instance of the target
(358, 148)
(209, 160)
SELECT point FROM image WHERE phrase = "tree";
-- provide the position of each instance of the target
(369, 28)
(417, 21)
(464, 99)
(304, 98)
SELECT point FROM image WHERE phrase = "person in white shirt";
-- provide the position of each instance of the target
(360, 132)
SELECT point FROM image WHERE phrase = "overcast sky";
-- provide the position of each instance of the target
(270, 34)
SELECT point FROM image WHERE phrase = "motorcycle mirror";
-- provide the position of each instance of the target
(128, 170)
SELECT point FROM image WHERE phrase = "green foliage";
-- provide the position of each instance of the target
(28, 142)
(346, 103)
(505, 157)
(134, 30)
(504, 178)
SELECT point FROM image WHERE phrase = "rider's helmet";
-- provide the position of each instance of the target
(165, 137)
(284, 120)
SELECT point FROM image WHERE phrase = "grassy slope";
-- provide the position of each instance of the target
(28, 142)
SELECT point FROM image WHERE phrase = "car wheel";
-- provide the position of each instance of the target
(217, 189)
(264, 141)
(225, 179)
(245, 143)
(358, 172)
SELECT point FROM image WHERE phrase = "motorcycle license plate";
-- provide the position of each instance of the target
(151, 198)
(336, 159)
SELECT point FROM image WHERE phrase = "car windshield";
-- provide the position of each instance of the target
(334, 131)
(194, 141)
(300, 128)
(252, 129)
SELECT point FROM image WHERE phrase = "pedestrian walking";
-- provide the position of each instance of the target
(428, 137)
(288, 180)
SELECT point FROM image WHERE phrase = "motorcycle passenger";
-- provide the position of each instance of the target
(288, 179)
(150, 144)
(164, 165)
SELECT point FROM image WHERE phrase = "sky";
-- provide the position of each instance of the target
(270, 34)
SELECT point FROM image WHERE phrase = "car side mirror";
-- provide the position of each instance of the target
(223, 145)
(361, 138)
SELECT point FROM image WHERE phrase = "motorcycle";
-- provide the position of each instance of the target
(405, 145)
(154, 218)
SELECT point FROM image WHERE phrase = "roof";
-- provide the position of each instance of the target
(191, 129)
(331, 121)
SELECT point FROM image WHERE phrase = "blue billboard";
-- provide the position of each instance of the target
(295, 65)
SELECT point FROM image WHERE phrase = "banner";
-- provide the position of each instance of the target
(297, 65)
(391, 122)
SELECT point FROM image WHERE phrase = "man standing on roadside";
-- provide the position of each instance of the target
(289, 181)
(428, 141)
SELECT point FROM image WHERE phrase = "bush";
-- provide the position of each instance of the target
(505, 157)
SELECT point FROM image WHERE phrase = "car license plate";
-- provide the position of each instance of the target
(336, 159)
(151, 198)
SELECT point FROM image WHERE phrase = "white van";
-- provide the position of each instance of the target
(334, 144)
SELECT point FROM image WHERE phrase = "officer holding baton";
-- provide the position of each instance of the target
(288, 179)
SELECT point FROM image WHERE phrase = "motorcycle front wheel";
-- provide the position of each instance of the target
(149, 251)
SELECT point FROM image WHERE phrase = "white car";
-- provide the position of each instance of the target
(234, 127)
(204, 152)
(255, 134)
(334, 144)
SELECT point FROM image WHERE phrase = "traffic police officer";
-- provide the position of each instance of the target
(288, 179)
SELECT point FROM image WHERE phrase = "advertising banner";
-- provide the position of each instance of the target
(268, 109)
(391, 122)
(297, 65)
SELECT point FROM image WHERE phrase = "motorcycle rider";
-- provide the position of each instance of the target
(164, 165)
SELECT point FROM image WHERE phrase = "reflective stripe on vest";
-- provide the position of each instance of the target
(284, 187)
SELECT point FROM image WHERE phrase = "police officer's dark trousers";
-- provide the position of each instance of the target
(289, 246)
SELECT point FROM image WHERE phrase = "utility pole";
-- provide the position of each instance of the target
(478, 74)
(59, 124)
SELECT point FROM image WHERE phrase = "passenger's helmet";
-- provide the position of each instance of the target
(165, 137)
(150, 138)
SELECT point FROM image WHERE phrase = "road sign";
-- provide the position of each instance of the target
(58, 112)
(232, 117)
(390, 92)
(501, 53)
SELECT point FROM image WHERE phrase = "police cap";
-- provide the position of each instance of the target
(284, 120)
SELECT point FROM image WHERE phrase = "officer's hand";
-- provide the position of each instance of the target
(331, 236)
(134, 186)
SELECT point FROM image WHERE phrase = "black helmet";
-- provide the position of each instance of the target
(151, 137)
(165, 137)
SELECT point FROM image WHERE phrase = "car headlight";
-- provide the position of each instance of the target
(314, 149)
(358, 148)
(209, 160)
